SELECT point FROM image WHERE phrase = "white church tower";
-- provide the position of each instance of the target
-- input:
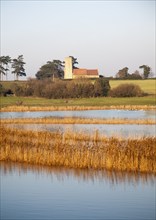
(68, 69)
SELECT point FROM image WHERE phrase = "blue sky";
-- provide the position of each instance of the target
(107, 35)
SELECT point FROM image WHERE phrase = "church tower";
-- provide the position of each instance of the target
(68, 69)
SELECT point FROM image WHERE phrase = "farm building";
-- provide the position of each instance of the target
(70, 73)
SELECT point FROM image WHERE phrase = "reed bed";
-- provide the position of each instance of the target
(78, 150)
(23, 108)
(75, 120)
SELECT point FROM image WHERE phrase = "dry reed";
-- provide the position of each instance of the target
(65, 108)
(75, 120)
(78, 150)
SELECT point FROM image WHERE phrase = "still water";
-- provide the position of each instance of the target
(109, 130)
(139, 114)
(34, 192)
(106, 130)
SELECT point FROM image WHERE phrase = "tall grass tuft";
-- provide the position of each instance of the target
(78, 150)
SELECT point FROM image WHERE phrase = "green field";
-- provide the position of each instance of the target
(102, 101)
(148, 86)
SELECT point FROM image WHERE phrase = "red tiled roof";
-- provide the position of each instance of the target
(92, 72)
(79, 72)
(85, 72)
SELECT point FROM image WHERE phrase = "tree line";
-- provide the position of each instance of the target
(123, 73)
(52, 69)
(55, 69)
(64, 89)
(17, 66)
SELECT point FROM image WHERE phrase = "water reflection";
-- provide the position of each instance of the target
(85, 175)
(131, 114)
(35, 192)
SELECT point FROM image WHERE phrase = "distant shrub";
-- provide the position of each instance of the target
(5, 92)
(78, 88)
(1, 90)
(134, 76)
(126, 90)
(8, 92)
(101, 87)
(18, 90)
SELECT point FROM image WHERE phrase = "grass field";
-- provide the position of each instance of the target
(148, 86)
(84, 102)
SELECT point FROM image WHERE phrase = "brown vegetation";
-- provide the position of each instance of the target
(74, 120)
(16, 108)
(126, 90)
(78, 150)
(78, 88)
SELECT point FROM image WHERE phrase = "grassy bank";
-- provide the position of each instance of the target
(28, 103)
(75, 120)
(148, 86)
(78, 150)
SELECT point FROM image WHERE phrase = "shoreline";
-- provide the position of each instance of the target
(76, 108)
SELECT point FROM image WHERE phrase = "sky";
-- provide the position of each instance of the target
(103, 35)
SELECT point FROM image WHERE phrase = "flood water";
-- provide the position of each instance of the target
(34, 192)
(132, 131)
(141, 114)
(105, 130)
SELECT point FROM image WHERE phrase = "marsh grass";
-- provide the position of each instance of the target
(102, 106)
(78, 150)
(76, 120)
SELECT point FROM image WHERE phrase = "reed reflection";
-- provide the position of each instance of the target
(85, 175)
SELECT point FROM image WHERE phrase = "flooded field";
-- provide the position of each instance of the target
(108, 130)
(141, 114)
(52, 192)
(129, 130)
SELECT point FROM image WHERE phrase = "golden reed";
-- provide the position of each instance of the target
(23, 108)
(78, 150)
(75, 120)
